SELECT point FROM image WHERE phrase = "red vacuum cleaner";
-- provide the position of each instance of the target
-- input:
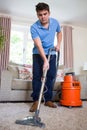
(71, 88)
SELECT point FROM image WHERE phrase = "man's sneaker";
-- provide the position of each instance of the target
(34, 107)
(50, 104)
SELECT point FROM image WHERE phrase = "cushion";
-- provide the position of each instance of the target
(14, 70)
(60, 75)
(25, 73)
(20, 84)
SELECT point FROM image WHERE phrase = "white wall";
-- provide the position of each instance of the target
(79, 48)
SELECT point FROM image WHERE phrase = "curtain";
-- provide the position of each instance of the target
(5, 24)
(68, 47)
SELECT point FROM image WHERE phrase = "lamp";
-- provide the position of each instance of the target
(85, 66)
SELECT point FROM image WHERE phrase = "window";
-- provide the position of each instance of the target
(21, 45)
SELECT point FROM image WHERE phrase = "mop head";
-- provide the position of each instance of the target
(32, 121)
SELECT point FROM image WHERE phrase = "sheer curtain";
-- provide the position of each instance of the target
(5, 24)
(68, 46)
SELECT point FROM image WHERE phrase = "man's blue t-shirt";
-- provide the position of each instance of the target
(46, 35)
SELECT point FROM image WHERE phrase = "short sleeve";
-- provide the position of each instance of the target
(34, 33)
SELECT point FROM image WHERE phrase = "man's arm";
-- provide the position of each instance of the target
(38, 44)
(59, 39)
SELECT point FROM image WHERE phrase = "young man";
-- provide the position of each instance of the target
(43, 33)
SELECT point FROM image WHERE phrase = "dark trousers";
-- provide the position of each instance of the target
(37, 76)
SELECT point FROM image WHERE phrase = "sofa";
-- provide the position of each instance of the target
(16, 83)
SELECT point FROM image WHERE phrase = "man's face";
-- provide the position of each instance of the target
(43, 16)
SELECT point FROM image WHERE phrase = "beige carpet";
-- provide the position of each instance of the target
(60, 118)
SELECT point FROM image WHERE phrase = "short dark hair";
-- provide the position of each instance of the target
(42, 6)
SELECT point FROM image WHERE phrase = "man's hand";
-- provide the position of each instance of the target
(57, 48)
(45, 65)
